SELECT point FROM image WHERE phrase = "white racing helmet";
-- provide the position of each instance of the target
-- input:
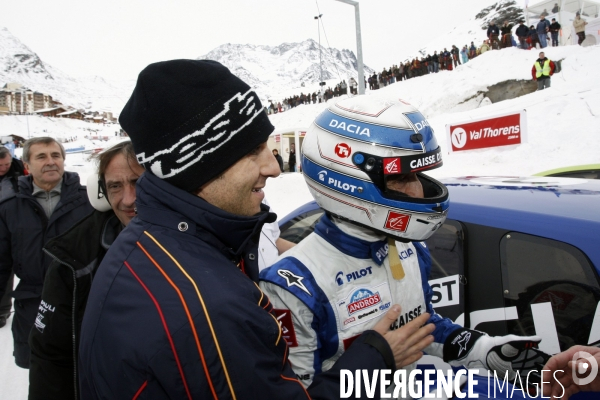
(352, 148)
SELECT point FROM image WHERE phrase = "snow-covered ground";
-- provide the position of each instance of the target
(563, 127)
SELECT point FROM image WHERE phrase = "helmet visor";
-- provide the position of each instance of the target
(405, 168)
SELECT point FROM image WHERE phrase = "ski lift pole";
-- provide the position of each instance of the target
(359, 56)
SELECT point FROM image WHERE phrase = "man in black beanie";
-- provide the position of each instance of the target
(174, 310)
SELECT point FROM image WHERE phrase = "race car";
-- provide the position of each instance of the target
(516, 255)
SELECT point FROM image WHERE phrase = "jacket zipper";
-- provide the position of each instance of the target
(74, 345)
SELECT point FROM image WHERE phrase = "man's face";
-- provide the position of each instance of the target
(239, 190)
(46, 164)
(120, 178)
(541, 55)
(5, 165)
(408, 184)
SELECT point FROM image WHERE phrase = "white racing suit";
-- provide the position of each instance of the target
(336, 284)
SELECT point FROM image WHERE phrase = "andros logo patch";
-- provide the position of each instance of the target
(361, 299)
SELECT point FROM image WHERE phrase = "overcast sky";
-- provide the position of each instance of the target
(115, 39)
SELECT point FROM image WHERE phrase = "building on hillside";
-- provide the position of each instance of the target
(73, 114)
(52, 111)
(17, 99)
(100, 117)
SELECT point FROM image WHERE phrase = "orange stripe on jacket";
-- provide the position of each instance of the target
(164, 322)
(189, 316)
(210, 325)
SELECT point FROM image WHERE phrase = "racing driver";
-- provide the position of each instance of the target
(363, 161)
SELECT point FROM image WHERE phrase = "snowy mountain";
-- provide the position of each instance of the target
(504, 10)
(18, 63)
(473, 29)
(273, 70)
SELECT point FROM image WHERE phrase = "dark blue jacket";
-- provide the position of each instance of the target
(542, 27)
(493, 29)
(25, 229)
(76, 255)
(175, 312)
(522, 31)
(9, 181)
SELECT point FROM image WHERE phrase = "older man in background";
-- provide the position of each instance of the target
(77, 254)
(48, 202)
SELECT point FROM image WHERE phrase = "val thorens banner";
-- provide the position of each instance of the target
(500, 130)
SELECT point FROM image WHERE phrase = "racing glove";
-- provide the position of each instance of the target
(508, 354)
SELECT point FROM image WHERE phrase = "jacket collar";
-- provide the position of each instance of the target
(352, 240)
(163, 204)
(80, 246)
(70, 182)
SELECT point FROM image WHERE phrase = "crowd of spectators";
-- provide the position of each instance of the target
(312, 98)
(498, 37)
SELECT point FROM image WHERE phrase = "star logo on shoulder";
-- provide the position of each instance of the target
(293, 280)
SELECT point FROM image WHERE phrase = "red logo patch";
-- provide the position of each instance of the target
(284, 317)
(396, 221)
(348, 342)
(342, 150)
(363, 303)
(391, 166)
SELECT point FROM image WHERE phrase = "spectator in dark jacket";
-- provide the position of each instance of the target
(533, 37)
(292, 158)
(76, 255)
(49, 201)
(278, 158)
(10, 170)
(436, 61)
(506, 31)
(542, 29)
(455, 53)
(522, 33)
(472, 51)
(554, 31)
(492, 33)
(175, 310)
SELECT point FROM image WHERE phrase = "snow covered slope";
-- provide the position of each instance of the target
(563, 121)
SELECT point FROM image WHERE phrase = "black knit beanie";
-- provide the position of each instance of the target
(190, 120)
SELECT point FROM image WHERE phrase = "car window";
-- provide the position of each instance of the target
(539, 275)
(585, 174)
(300, 226)
(447, 279)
